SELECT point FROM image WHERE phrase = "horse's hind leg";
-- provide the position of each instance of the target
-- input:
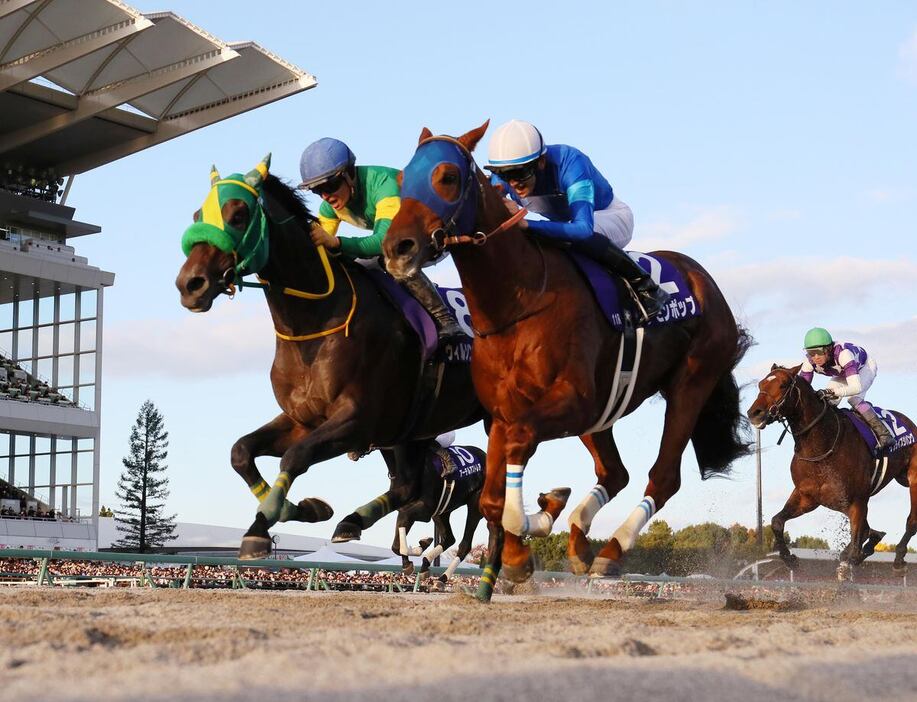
(472, 520)
(796, 505)
(911, 526)
(445, 540)
(612, 478)
(416, 511)
(686, 396)
(872, 540)
(273, 439)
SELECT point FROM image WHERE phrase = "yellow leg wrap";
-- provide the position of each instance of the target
(260, 490)
(282, 483)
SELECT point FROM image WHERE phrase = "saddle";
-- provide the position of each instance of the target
(894, 423)
(617, 301)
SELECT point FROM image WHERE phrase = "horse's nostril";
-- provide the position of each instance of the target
(405, 247)
(196, 284)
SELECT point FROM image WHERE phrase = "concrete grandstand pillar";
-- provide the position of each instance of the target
(52, 477)
(55, 341)
(77, 316)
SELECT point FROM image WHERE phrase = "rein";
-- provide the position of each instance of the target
(265, 285)
(775, 413)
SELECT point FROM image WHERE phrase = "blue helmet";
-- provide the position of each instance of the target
(323, 159)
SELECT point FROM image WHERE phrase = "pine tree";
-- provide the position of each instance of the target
(142, 487)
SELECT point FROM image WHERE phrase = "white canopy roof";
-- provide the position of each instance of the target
(326, 554)
(86, 82)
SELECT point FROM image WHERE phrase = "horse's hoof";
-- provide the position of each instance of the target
(443, 579)
(578, 566)
(844, 571)
(791, 561)
(254, 547)
(899, 568)
(312, 509)
(424, 543)
(554, 501)
(604, 568)
(408, 569)
(346, 531)
(425, 575)
(518, 574)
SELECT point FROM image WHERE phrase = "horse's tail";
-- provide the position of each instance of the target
(721, 434)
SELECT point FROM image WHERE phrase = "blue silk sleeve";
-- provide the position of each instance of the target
(581, 227)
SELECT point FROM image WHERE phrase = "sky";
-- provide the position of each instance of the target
(772, 142)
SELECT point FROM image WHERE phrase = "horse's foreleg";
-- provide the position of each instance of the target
(273, 439)
(405, 482)
(856, 513)
(796, 505)
(493, 495)
(464, 548)
(327, 441)
(612, 478)
(445, 540)
(407, 515)
(521, 441)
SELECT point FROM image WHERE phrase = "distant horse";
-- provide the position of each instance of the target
(544, 356)
(346, 365)
(448, 478)
(832, 465)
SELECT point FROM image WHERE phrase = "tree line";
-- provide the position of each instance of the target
(699, 548)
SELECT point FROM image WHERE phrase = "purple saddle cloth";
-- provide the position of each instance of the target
(607, 289)
(893, 421)
(419, 319)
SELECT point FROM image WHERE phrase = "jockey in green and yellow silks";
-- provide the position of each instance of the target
(367, 197)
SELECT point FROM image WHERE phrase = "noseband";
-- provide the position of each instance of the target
(455, 216)
(775, 413)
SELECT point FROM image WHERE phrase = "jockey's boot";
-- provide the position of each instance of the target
(425, 293)
(651, 297)
(878, 427)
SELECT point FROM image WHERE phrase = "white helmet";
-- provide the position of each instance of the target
(446, 440)
(513, 144)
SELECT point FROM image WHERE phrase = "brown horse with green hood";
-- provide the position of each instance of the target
(347, 366)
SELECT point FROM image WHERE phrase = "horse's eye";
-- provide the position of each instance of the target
(450, 179)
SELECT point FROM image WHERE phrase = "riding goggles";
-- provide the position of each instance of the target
(520, 174)
(329, 186)
(818, 351)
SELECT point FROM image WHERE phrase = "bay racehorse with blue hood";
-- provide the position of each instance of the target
(545, 352)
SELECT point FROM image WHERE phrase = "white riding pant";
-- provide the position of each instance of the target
(616, 223)
(867, 375)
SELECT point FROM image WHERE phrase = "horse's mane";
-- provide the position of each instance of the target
(289, 198)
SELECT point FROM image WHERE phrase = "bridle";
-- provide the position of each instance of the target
(448, 235)
(775, 413)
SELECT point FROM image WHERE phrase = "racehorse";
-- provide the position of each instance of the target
(450, 478)
(346, 365)
(833, 466)
(543, 355)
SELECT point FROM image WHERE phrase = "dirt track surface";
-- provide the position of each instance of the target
(224, 646)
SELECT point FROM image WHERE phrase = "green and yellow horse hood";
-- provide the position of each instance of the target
(249, 248)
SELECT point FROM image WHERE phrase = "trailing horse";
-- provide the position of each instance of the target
(346, 369)
(833, 465)
(545, 352)
(449, 478)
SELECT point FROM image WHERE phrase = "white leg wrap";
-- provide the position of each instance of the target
(403, 544)
(586, 510)
(432, 552)
(515, 520)
(452, 566)
(628, 531)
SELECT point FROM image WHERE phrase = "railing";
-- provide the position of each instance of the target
(238, 580)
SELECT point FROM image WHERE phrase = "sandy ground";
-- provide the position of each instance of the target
(224, 645)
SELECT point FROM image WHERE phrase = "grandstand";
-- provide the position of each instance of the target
(84, 83)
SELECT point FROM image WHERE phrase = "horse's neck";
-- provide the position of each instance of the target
(815, 436)
(293, 263)
(501, 277)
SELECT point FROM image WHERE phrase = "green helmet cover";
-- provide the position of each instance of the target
(817, 337)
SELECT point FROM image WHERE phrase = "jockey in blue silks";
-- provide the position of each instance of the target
(560, 183)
